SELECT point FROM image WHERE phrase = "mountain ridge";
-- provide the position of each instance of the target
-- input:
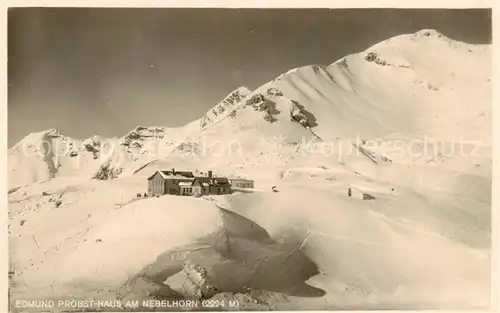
(330, 101)
(242, 90)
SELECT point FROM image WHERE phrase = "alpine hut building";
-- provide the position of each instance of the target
(167, 182)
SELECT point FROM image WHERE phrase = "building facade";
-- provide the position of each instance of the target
(167, 182)
(185, 188)
(211, 186)
(241, 183)
(156, 185)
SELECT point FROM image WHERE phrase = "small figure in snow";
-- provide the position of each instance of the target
(349, 192)
(274, 189)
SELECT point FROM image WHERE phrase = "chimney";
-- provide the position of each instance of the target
(210, 174)
(173, 171)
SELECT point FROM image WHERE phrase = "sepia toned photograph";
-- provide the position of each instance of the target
(223, 159)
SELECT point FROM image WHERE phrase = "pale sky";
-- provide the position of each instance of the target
(102, 71)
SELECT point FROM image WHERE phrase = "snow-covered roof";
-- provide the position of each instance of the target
(216, 181)
(167, 174)
(240, 179)
(171, 175)
(176, 177)
(221, 180)
(185, 184)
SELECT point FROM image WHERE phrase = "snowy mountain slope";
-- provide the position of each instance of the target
(225, 107)
(414, 232)
(46, 154)
(357, 96)
(41, 156)
(406, 85)
(379, 234)
(402, 88)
